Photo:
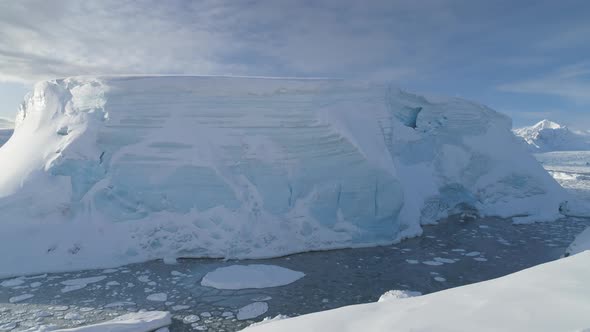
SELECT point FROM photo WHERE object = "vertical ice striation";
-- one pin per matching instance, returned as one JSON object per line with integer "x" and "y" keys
{"x": 106, "y": 171}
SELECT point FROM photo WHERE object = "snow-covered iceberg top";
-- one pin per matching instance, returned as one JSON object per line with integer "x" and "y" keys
{"x": 548, "y": 136}
{"x": 549, "y": 297}
{"x": 107, "y": 171}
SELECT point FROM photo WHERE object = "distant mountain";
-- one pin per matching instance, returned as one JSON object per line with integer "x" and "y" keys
{"x": 6, "y": 129}
{"x": 548, "y": 136}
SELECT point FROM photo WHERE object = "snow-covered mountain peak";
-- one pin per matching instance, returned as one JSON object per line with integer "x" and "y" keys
{"x": 547, "y": 124}
{"x": 550, "y": 136}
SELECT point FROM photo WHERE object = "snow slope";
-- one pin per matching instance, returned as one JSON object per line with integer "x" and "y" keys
{"x": 113, "y": 170}
{"x": 549, "y": 297}
{"x": 6, "y": 129}
{"x": 548, "y": 136}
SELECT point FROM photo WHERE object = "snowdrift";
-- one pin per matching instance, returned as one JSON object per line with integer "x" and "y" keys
{"x": 112, "y": 170}
{"x": 549, "y": 297}
{"x": 547, "y": 136}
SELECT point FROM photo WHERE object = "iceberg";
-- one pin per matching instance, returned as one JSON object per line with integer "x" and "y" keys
{"x": 106, "y": 171}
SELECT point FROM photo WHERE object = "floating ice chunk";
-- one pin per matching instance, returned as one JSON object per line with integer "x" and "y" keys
{"x": 180, "y": 307}
{"x": 250, "y": 276}
{"x": 76, "y": 284}
{"x": 412, "y": 261}
{"x": 480, "y": 259}
{"x": 12, "y": 282}
{"x": 252, "y": 310}
{"x": 444, "y": 260}
{"x": 72, "y": 316}
{"x": 146, "y": 321}
{"x": 440, "y": 279}
{"x": 190, "y": 319}
{"x": 120, "y": 304}
{"x": 20, "y": 298}
{"x": 473, "y": 254}
{"x": 158, "y": 297}
{"x": 397, "y": 294}
{"x": 432, "y": 263}
{"x": 83, "y": 281}
{"x": 72, "y": 288}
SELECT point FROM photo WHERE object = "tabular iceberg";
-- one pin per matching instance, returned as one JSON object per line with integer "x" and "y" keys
{"x": 103, "y": 171}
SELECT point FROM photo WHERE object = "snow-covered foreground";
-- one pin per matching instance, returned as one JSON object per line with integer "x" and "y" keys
{"x": 102, "y": 172}
{"x": 550, "y": 297}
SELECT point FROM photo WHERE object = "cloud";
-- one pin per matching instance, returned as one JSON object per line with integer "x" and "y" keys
{"x": 571, "y": 82}
{"x": 40, "y": 39}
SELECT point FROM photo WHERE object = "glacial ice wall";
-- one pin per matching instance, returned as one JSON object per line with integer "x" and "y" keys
{"x": 112, "y": 170}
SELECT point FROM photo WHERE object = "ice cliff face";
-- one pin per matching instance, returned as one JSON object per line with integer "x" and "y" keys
{"x": 107, "y": 171}
{"x": 548, "y": 136}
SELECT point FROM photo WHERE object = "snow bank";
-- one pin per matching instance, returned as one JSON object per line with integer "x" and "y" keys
{"x": 548, "y": 136}
{"x": 580, "y": 244}
{"x": 134, "y": 322}
{"x": 250, "y": 276}
{"x": 549, "y": 297}
{"x": 108, "y": 171}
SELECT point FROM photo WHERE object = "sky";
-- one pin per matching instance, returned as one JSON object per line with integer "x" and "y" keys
{"x": 528, "y": 59}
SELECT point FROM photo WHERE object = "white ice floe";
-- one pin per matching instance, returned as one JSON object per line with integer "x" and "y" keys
{"x": 13, "y": 282}
{"x": 20, "y": 298}
{"x": 250, "y": 276}
{"x": 252, "y": 310}
{"x": 76, "y": 284}
{"x": 147, "y": 321}
{"x": 158, "y": 297}
{"x": 546, "y": 298}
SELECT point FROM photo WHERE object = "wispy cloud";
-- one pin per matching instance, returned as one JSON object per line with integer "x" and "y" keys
{"x": 40, "y": 39}
{"x": 571, "y": 82}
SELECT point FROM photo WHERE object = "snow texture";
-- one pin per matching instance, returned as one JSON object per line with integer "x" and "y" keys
{"x": 398, "y": 294}
{"x": 107, "y": 171}
{"x": 547, "y": 136}
{"x": 250, "y": 276}
{"x": 134, "y": 322}
{"x": 549, "y": 297}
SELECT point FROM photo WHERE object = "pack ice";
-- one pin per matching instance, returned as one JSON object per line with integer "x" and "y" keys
{"x": 112, "y": 170}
